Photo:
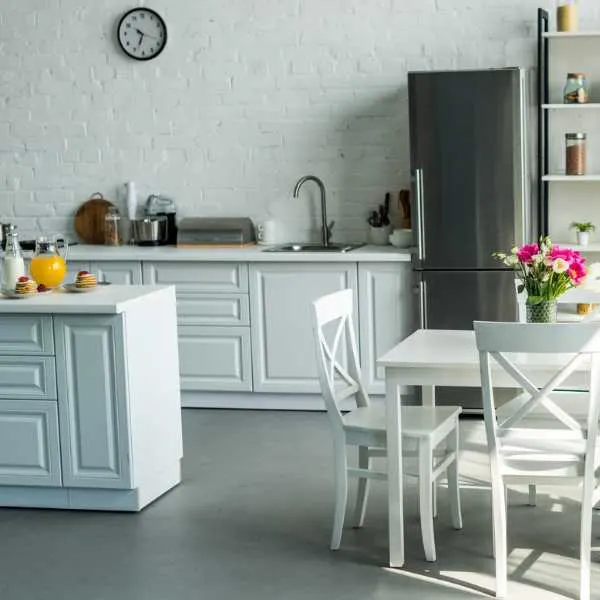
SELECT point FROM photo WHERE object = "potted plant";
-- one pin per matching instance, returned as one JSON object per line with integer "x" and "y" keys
{"x": 380, "y": 226}
{"x": 583, "y": 230}
{"x": 545, "y": 272}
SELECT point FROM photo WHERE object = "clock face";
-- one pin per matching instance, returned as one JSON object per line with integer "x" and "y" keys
{"x": 142, "y": 33}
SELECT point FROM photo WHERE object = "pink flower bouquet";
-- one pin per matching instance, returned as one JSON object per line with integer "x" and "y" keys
{"x": 546, "y": 271}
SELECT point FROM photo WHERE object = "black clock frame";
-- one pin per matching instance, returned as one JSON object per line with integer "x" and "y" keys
{"x": 148, "y": 10}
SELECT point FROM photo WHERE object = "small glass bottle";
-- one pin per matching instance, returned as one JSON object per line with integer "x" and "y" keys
{"x": 13, "y": 265}
{"x": 576, "y": 153}
{"x": 566, "y": 15}
{"x": 111, "y": 227}
{"x": 576, "y": 89}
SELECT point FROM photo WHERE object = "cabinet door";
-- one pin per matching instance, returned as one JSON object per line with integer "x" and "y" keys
{"x": 387, "y": 315}
{"x": 92, "y": 399}
{"x": 120, "y": 272}
{"x": 215, "y": 358}
{"x": 281, "y": 297}
{"x": 29, "y": 447}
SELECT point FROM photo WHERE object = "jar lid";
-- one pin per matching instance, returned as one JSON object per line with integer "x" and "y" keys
{"x": 576, "y": 76}
{"x": 576, "y": 136}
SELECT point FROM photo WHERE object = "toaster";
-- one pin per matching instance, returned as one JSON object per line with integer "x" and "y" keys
{"x": 216, "y": 231}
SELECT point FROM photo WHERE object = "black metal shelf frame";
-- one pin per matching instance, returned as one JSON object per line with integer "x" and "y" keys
{"x": 542, "y": 118}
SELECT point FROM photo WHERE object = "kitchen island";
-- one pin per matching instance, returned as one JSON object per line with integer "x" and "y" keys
{"x": 89, "y": 398}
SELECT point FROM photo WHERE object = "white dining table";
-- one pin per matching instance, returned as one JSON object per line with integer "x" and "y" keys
{"x": 430, "y": 358}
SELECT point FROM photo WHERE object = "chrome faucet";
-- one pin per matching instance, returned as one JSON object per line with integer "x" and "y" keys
{"x": 325, "y": 228}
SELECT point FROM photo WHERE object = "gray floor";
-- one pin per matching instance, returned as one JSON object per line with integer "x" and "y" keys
{"x": 252, "y": 520}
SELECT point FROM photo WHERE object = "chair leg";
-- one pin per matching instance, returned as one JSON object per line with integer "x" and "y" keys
{"x": 532, "y": 495}
{"x": 585, "y": 550}
{"x": 363, "y": 487}
{"x": 499, "y": 531}
{"x": 453, "y": 484}
{"x": 341, "y": 492}
{"x": 425, "y": 497}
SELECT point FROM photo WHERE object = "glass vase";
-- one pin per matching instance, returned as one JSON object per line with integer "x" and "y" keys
{"x": 542, "y": 312}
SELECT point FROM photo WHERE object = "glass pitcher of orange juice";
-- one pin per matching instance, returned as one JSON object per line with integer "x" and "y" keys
{"x": 49, "y": 263}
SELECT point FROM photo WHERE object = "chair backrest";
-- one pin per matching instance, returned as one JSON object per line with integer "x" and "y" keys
{"x": 338, "y": 382}
{"x": 521, "y": 300}
{"x": 579, "y": 345}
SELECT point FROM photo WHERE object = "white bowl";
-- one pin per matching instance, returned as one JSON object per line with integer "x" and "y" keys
{"x": 401, "y": 238}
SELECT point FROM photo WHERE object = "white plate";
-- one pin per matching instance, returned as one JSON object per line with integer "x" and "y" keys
{"x": 71, "y": 287}
{"x": 15, "y": 296}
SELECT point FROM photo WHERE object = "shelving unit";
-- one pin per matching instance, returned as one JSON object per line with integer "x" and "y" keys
{"x": 560, "y": 200}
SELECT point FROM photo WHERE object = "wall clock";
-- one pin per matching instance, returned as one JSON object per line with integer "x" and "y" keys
{"x": 142, "y": 33}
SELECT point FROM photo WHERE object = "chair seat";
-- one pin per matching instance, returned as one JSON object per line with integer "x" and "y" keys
{"x": 543, "y": 458}
{"x": 417, "y": 421}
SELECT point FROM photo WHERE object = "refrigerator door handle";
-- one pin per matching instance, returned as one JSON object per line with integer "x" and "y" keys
{"x": 422, "y": 304}
{"x": 420, "y": 214}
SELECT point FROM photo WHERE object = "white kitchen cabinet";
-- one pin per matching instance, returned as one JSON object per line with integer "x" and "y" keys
{"x": 281, "y": 321}
{"x": 29, "y": 443}
{"x": 91, "y": 364}
{"x": 215, "y": 358}
{"x": 122, "y": 272}
{"x": 387, "y": 315}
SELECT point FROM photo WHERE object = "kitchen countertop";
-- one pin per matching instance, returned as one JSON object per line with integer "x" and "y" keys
{"x": 249, "y": 254}
{"x": 107, "y": 299}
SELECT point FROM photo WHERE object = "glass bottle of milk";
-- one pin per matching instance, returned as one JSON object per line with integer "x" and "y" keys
{"x": 13, "y": 265}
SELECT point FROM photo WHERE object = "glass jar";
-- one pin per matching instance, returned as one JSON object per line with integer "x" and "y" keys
{"x": 576, "y": 89}
{"x": 111, "y": 227}
{"x": 576, "y": 153}
{"x": 566, "y": 15}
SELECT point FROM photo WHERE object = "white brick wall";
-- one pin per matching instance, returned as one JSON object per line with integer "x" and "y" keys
{"x": 248, "y": 96}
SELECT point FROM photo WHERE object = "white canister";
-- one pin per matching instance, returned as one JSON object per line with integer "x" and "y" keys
{"x": 266, "y": 232}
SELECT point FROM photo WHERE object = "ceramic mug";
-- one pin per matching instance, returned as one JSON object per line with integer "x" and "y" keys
{"x": 266, "y": 232}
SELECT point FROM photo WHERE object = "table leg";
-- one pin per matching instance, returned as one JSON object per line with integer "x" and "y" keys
{"x": 428, "y": 395}
{"x": 394, "y": 466}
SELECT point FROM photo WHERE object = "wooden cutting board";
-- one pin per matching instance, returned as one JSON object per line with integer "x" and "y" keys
{"x": 89, "y": 219}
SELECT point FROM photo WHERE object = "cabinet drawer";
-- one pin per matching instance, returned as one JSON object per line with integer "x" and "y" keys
{"x": 198, "y": 277}
{"x": 29, "y": 447}
{"x": 26, "y": 334}
{"x": 215, "y": 358}
{"x": 212, "y": 309}
{"x": 118, "y": 272}
{"x": 31, "y": 377}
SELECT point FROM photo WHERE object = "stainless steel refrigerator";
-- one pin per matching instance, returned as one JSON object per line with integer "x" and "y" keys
{"x": 470, "y": 149}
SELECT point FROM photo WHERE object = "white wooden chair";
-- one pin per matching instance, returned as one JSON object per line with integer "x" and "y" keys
{"x": 435, "y": 429}
{"x": 533, "y": 439}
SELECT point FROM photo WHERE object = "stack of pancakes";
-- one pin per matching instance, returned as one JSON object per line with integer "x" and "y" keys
{"x": 26, "y": 287}
{"x": 85, "y": 280}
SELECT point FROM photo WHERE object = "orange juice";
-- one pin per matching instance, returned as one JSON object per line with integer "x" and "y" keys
{"x": 49, "y": 270}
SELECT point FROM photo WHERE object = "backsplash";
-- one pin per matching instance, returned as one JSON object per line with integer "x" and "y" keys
{"x": 248, "y": 96}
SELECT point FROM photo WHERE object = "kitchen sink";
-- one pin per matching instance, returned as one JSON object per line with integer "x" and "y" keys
{"x": 313, "y": 248}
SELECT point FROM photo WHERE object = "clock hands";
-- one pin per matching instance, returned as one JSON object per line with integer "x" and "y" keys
{"x": 142, "y": 34}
